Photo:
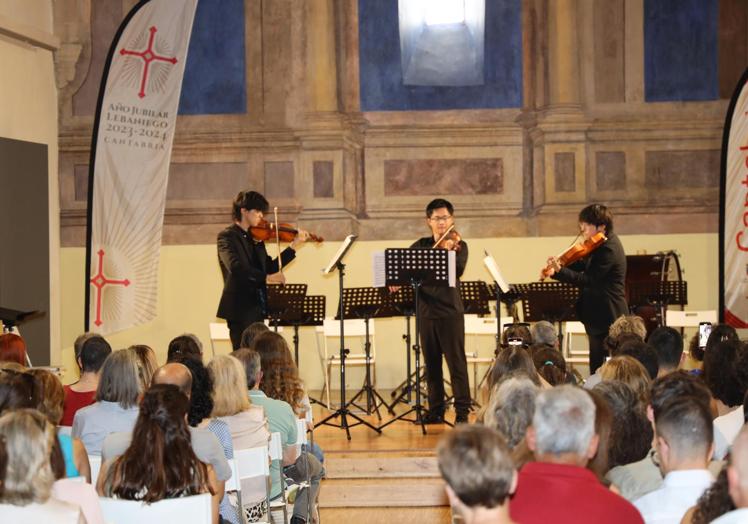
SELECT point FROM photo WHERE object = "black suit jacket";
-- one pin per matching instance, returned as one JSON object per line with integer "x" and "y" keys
{"x": 601, "y": 277}
{"x": 245, "y": 265}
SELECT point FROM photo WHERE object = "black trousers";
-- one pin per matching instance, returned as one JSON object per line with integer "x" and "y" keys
{"x": 236, "y": 328}
{"x": 445, "y": 336}
{"x": 597, "y": 351}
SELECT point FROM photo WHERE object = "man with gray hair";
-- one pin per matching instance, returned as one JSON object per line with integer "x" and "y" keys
{"x": 737, "y": 480}
{"x": 544, "y": 333}
{"x": 558, "y": 487}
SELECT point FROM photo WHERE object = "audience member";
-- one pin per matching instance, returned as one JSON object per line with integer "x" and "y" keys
{"x": 726, "y": 376}
{"x": 251, "y": 332}
{"x": 160, "y": 462}
{"x": 630, "y": 371}
{"x": 737, "y": 479}
{"x": 668, "y": 344}
{"x": 187, "y": 345}
{"x": 683, "y": 442}
{"x": 598, "y": 464}
{"x": 510, "y": 362}
{"x": 644, "y": 476}
{"x": 116, "y": 406}
{"x": 719, "y": 333}
{"x": 509, "y": 411}
{"x": 27, "y": 485}
{"x": 631, "y": 434}
{"x": 298, "y": 466}
{"x": 51, "y": 398}
{"x": 147, "y": 363}
{"x": 17, "y": 390}
{"x": 475, "y": 464}
{"x": 625, "y": 328}
{"x": 551, "y": 366}
{"x": 543, "y": 332}
{"x": 517, "y": 334}
{"x": 232, "y": 405}
{"x": 211, "y": 443}
{"x": 558, "y": 488}
{"x": 94, "y": 350}
{"x": 12, "y": 348}
{"x": 644, "y": 354}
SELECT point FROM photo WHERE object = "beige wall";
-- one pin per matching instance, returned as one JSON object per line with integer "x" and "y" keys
{"x": 190, "y": 285}
{"x": 28, "y": 110}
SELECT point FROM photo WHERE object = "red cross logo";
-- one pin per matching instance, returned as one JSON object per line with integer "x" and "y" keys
{"x": 148, "y": 56}
{"x": 99, "y": 281}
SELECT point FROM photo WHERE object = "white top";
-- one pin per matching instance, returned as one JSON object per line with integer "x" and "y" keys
{"x": 680, "y": 490}
{"x": 726, "y": 428}
{"x": 736, "y": 516}
{"x": 249, "y": 429}
{"x": 51, "y": 512}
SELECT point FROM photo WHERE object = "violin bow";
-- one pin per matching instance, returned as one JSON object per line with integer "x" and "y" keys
{"x": 443, "y": 236}
{"x": 277, "y": 240}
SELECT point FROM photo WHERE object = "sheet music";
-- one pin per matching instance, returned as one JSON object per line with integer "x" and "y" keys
{"x": 377, "y": 265}
{"x": 452, "y": 267}
{"x": 493, "y": 269}
{"x": 339, "y": 255}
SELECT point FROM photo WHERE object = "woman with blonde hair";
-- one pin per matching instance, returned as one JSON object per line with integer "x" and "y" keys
{"x": 116, "y": 407}
{"x": 27, "y": 487}
{"x": 631, "y": 372}
{"x": 231, "y": 404}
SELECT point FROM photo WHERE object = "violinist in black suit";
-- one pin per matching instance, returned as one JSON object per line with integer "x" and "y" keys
{"x": 601, "y": 277}
{"x": 246, "y": 266}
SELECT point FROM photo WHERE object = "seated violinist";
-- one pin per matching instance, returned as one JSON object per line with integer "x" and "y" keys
{"x": 246, "y": 266}
{"x": 600, "y": 273}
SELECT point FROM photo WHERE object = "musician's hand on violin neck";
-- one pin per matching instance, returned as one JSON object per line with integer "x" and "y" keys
{"x": 554, "y": 264}
{"x": 301, "y": 236}
{"x": 276, "y": 278}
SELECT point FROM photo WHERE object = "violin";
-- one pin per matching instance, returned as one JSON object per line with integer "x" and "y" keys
{"x": 576, "y": 252}
{"x": 286, "y": 232}
{"x": 450, "y": 240}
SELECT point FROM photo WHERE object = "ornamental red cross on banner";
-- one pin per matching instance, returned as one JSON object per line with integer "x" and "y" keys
{"x": 148, "y": 55}
{"x": 99, "y": 281}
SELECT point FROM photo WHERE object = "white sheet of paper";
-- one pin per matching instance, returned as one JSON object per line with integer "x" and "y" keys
{"x": 452, "y": 268}
{"x": 343, "y": 247}
{"x": 493, "y": 269}
{"x": 377, "y": 266}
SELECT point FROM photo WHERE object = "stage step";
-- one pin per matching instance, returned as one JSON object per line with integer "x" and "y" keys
{"x": 434, "y": 515}
{"x": 381, "y": 467}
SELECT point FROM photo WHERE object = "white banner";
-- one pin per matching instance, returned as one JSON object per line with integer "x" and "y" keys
{"x": 136, "y": 118}
{"x": 734, "y": 212}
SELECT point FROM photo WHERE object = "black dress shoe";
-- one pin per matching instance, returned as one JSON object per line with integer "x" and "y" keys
{"x": 433, "y": 418}
{"x": 461, "y": 418}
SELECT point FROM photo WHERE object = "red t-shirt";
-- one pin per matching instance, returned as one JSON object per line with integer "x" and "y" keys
{"x": 563, "y": 494}
{"x": 75, "y": 400}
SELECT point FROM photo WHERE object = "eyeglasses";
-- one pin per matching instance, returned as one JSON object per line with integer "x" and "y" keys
{"x": 441, "y": 219}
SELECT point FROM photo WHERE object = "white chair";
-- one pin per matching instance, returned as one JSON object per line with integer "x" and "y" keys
{"x": 219, "y": 332}
{"x": 354, "y": 328}
{"x": 95, "y": 462}
{"x": 233, "y": 483}
{"x": 475, "y": 328}
{"x": 276, "y": 454}
{"x": 253, "y": 472}
{"x": 572, "y": 356}
{"x": 690, "y": 318}
{"x": 185, "y": 510}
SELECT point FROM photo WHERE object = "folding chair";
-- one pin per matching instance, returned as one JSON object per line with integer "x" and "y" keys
{"x": 276, "y": 454}
{"x": 570, "y": 330}
{"x": 354, "y": 327}
{"x": 195, "y": 509}
{"x": 476, "y": 327}
{"x": 95, "y": 462}
{"x": 253, "y": 472}
{"x": 678, "y": 319}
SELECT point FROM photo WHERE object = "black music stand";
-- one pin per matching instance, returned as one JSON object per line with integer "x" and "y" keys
{"x": 367, "y": 303}
{"x": 11, "y": 318}
{"x": 280, "y": 299}
{"x": 551, "y": 301}
{"x": 475, "y": 297}
{"x": 658, "y": 293}
{"x": 418, "y": 267}
{"x": 343, "y": 412}
{"x": 402, "y": 302}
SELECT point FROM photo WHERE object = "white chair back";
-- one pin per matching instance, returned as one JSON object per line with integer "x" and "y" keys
{"x": 219, "y": 332}
{"x": 689, "y": 318}
{"x": 276, "y": 447}
{"x": 301, "y": 432}
{"x": 185, "y": 510}
{"x": 233, "y": 483}
{"x": 95, "y": 462}
{"x": 254, "y": 474}
{"x": 354, "y": 328}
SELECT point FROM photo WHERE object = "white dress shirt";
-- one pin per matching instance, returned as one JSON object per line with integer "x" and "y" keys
{"x": 680, "y": 490}
{"x": 726, "y": 428}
